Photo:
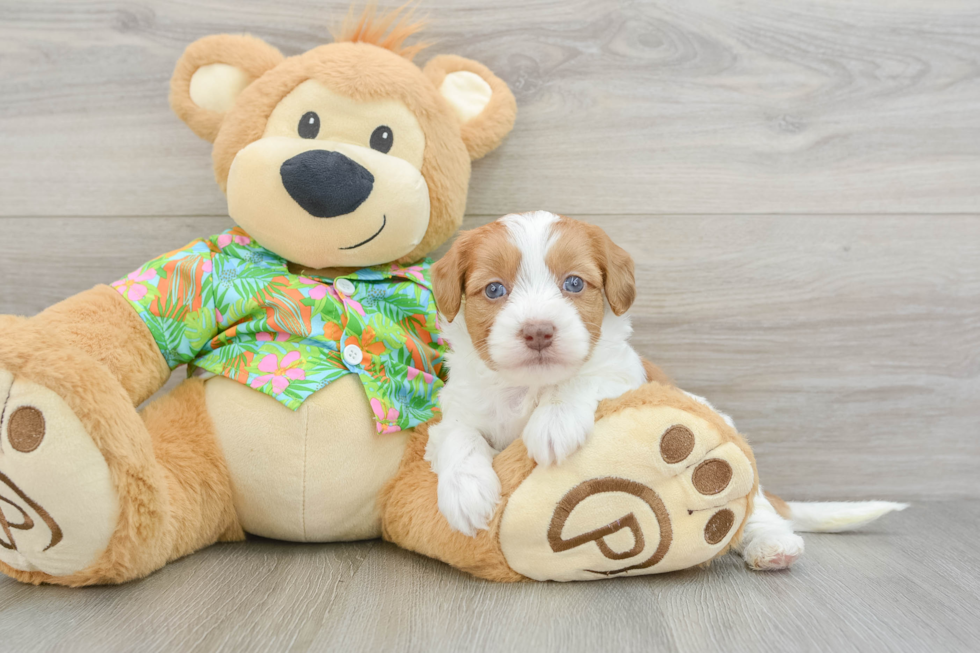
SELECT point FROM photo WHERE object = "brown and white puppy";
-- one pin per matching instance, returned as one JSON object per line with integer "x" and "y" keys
{"x": 533, "y": 308}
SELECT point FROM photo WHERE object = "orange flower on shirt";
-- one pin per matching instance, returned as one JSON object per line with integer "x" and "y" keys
{"x": 368, "y": 345}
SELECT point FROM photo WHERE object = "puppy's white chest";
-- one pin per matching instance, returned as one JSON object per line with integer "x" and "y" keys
{"x": 512, "y": 410}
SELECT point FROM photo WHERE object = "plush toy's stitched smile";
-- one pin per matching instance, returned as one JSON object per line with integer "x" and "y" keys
{"x": 384, "y": 221}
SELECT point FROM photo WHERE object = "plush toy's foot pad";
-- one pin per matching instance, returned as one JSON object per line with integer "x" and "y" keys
{"x": 58, "y": 504}
{"x": 656, "y": 488}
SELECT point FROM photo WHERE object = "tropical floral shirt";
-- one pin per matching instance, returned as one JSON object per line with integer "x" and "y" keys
{"x": 227, "y": 306}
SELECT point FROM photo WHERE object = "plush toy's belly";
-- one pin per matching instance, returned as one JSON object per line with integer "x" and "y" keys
{"x": 312, "y": 475}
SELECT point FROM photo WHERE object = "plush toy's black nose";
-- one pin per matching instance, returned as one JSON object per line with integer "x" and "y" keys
{"x": 326, "y": 184}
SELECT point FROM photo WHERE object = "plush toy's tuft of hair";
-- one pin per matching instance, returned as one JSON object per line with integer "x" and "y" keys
{"x": 388, "y": 30}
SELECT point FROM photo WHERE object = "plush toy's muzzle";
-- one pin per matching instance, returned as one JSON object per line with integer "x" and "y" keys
{"x": 324, "y": 203}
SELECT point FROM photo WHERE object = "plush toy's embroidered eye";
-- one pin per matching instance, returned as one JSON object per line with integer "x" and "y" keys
{"x": 309, "y": 125}
{"x": 495, "y": 290}
{"x": 382, "y": 139}
{"x": 573, "y": 284}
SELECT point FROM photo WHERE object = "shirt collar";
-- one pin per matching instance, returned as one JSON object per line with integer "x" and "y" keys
{"x": 417, "y": 273}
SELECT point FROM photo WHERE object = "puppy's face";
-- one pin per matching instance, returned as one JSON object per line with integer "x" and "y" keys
{"x": 532, "y": 287}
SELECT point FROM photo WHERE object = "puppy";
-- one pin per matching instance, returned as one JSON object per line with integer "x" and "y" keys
{"x": 533, "y": 309}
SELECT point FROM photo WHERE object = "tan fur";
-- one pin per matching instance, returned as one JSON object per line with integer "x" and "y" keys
{"x": 652, "y": 394}
{"x": 615, "y": 263}
{"x": 388, "y": 31}
{"x": 368, "y": 62}
{"x": 9, "y": 321}
{"x": 486, "y": 254}
{"x": 411, "y": 518}
{"x": 409, "y": 505}
{"x": 363, "y": 72}
{"x": 174, "y": 493}
{"x": 574, "y": 253}
{"x": 101, "y": 323}
{"x": 247, "y": 53}
{"x": 484, "y": 133}
{"x": 478, "y": 257}
{"x": 781, "y": 507}
{"x": 655, "y": 374}
{"x": 94, "y": 352}
{"x": 449, "y": 274}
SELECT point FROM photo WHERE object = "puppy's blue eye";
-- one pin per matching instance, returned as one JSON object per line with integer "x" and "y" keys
{"x": 495, "y": 290}
{"x": 573, "y": 284}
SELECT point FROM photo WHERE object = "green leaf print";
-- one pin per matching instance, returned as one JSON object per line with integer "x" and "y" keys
{"x": 199, "y": 328}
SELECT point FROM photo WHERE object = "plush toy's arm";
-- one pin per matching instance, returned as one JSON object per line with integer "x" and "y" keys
{"x": 101, "y": 323}
{"x": 147, "y": 323}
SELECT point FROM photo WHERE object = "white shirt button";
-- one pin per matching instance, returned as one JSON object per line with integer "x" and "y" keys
{"x": 353, "y": 354}
{"x": 345, "y": 286}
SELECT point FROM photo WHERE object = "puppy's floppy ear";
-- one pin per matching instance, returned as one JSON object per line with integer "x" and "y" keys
{"x": 618, "y": 279}
{"x": 484, "y": 105}
{"x": 449, "y": 277}
{"x": 211, "y": 74}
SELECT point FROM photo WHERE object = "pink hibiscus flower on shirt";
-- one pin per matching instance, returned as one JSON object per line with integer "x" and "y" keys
{"x": 412, "y": 373}
{"x": 280, "y": 373}
{"x": 227, "y": 239}
{"x": 412, "y": 272}
{"x": 318, "y": 291}
{"x": 132, "y": 287}
{"x": 265, "y": 336}
{"x": 385, "y": 423}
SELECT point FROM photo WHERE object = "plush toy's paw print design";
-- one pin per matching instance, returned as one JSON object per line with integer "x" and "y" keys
{"x": 58, "y": 506}
{"x": 656, "y": 488}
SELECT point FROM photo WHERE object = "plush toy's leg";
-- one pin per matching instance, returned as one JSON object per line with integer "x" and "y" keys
{"x": 663, "y": 483}
{"x": 768, "y": 542}
{"x": 90, "y": 491}
{"x": 410, "y": 514}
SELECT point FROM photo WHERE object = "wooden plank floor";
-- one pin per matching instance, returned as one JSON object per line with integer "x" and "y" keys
{"x": 910, "y": 583}
{"x": 799, "y": 183}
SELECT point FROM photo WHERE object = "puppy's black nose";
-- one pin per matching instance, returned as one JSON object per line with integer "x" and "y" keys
{"x": 538, "y": 335}
{"x": 326, "y": 184}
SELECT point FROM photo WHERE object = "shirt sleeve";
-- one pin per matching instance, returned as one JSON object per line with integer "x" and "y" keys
{"x": 173, "y": 294}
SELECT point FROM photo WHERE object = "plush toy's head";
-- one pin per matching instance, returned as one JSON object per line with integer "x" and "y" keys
{"x": 348, "y": 154}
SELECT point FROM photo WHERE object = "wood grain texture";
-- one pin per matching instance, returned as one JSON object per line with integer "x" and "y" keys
{"x": 847, "y": 348}
{"x": 760, "y": 106}
{"x": 798, "y": 182}
{"x": 256, "y": 596}
{"x": 868, "y": 591}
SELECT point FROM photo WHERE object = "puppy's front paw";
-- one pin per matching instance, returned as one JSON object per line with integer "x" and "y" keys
{"x": 556, "y": 431}
{"x": 468, "y": 494}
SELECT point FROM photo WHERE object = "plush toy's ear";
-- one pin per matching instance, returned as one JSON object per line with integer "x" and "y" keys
{"x": 484, "y": 105}
{"x": 210, "y": 75}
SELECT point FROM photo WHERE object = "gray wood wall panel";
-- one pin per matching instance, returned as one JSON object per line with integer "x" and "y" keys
{"x": 847, "y": 348}
{"x": 760, "y": 106}
{"x": 799, "y": 183}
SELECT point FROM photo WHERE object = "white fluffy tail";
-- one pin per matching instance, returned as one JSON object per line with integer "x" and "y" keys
{"x": 838, "y": 516}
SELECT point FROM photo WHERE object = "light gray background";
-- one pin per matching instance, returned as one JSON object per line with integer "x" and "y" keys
{"x": 799, "y": 183}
